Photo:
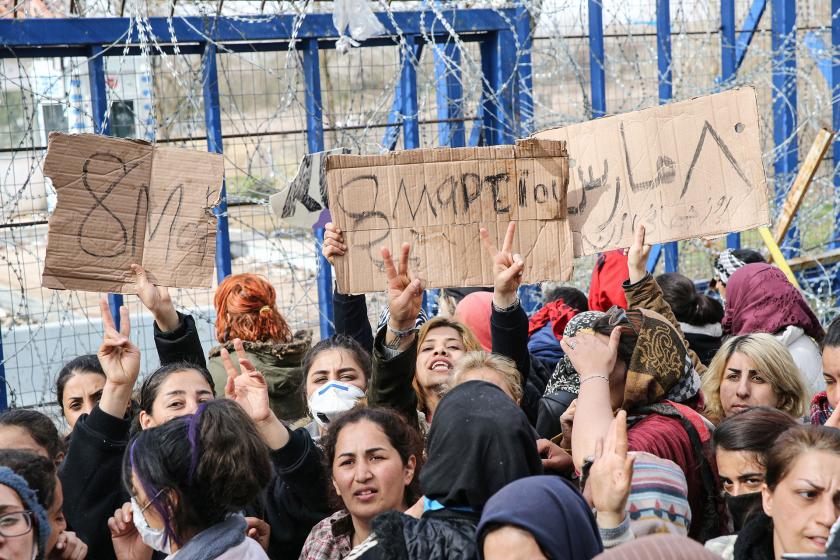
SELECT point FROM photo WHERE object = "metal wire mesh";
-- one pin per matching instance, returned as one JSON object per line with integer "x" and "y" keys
{"x": 156, "y": 94}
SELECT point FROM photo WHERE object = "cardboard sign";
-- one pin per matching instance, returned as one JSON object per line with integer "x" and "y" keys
{"x": 688, "y": 169}
{"x": 124, "y": 201}
{"x": 301, "y": 203}
{"x": 438, "y": 199}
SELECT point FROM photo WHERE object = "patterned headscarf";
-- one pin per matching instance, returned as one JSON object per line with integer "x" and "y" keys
{"x": 565, "y": 378}
{"x": 660, "y": 367}
{"x": 726, "y": 264}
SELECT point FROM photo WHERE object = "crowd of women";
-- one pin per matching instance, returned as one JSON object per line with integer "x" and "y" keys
{"x": 645, "y": 420}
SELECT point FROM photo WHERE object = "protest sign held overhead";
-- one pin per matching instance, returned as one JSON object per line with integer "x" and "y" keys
{"x": 684, "y": 170}
{"x": 124, "y": 201}
{"x": 438, "y": 199}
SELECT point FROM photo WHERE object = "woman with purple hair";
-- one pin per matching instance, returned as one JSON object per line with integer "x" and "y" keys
{"x": 190, "y": 478}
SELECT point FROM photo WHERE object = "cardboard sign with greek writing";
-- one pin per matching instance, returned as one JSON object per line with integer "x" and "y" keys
{"x": 124, "y": 201}
{"x": 438, "y": 199}
{"x": 684, "y": 170}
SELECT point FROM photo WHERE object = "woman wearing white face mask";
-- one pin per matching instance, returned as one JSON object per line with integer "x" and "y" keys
{"x": 337, "y": 372}
{"x": 190, "y": 479}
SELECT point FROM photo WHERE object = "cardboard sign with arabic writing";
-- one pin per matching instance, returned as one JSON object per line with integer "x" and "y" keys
{"x": 687, "y": 169}
{"x": 124, "y": 201}
{"x": 437, "y": 199}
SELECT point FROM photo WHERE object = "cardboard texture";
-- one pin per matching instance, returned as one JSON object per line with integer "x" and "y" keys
{"x": 437, "y": 199}
{"x": 687, "y": 169}
{"x": 301, "y": 203}
{"x": 124, "y": 201}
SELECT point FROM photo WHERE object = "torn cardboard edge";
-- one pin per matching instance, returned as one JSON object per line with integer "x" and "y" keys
{"x": 125, "y": 201}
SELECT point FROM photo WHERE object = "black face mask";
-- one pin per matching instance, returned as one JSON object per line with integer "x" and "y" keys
{"x": 742, "y": 507}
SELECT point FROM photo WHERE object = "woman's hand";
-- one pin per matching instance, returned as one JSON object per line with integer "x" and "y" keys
{"x": 156, "y": 299}
{"x": 566, "y": 423}
{"x": 248, "y": 388}
{"x": 120, "y": 359}
{"x": 591, "y": 356}
{"x": 126, "y": 538}
{"x": 405, "y": 294}
{"x": 250, "y": 391}
{"x": 333, "y": 245}
{"x": 637, "y": 255}
{"x": 611, "y": 474}
{"x": 258, "y": 530}
{"x": 68, "y": 546}
{"x": 553, "y": 457}
{"x": 507, "y": 267}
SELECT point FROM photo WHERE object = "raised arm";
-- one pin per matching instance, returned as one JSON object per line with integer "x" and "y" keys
{"x": 176, "y": 337}
{"x": 594, "y": 360}
{"x": 349, "y": 310}
{"x": 643, "y": 292}
{"x": 508, "y": 322}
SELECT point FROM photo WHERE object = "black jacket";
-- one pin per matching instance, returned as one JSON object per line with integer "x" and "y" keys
{"x": 91, "y": 477}
{"x": 509, "y": 330}
{"x": 180, "y": 345}
{"x": 296, "y": 500}
{"x": 351, "y": 318}
{"x": 438, "y": 535}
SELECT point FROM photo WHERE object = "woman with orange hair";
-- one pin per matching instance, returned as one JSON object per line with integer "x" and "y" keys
{"x": 246, "y": 308}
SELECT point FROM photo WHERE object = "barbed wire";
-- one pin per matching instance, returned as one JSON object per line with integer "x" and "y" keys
{"x": 157, "y": 95}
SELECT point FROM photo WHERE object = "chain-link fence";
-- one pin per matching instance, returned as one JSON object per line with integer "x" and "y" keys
{"x": 154, "y": 92}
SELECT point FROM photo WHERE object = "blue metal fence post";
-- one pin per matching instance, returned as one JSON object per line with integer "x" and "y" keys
{"x": 213, "y": 124}
{"x": 315, "y": 143}
{"x": 101, "y": 125}
{"x": 498, "y": 61}
{"x": 408, "y": 90}
{"x": 597, "y": 84}
{"x": 835, "y": 115}
{"x": 449, "y": 94}
{"x": 666, "y": 92}
{"x": 728, "y": 71}
{"x": 524, "y": 84}
{"x": 785, "y": 104}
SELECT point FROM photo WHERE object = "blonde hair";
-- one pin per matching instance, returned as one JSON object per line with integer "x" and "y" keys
{"x": 496, "y": 362}
{"x": 467, "y": 339}
{"x": 772, "y": 359}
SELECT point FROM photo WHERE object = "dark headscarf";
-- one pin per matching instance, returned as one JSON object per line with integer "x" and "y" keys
{"x": 479, "y": 442}
{"x": 759, "y": 298}
{"x": 551, "y": 510}
{"x": 660, "y": 367}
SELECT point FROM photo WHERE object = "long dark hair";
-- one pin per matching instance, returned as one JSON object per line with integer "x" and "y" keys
{"x": 39, "y": 427}
{"x": 755, "y": 430}
{"x": 197, "y": 469}
{"x": 689, "y": 306}
{"x": 832, "y": 335}
{"x": 404, "y": 438}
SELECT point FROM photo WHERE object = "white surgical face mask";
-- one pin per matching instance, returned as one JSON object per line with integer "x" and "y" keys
{"x": 155, "y": 538}
{"x": 332, "y": 400}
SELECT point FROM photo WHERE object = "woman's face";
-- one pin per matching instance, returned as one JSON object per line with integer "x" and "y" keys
{"x": 509, "y": 542}
{"x": 743, "y": 387}
{"x": 740, "y": 471}
{"x": 16, "y": 437}
{"x": 367, "y": 471}
{"x": 56, "y": 516}
{"x": 805, "y": 504}
{"x": 335, "y": 364}
{"x": 831, "y": 373}
{"x": 180, "y": 394}
{"x": 22, "y": 546}
{"x": 436, "y": 357}
{"x": 81, "y": 393}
